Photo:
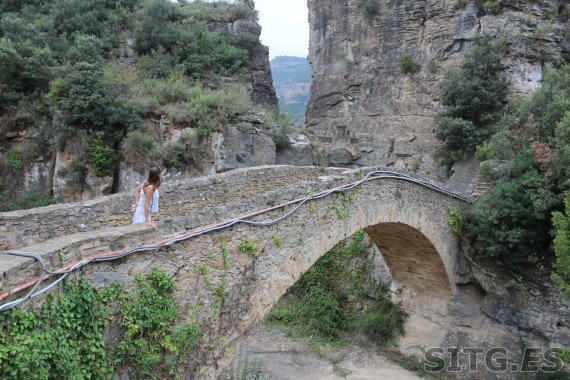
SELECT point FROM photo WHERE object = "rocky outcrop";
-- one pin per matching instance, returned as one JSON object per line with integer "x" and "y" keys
{"x": 261, "y": 90}
{"x": 364, "y": 111}
{"x": 235, "y": 149}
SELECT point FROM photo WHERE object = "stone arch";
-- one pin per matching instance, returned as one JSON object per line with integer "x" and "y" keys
{"x": 411, "y": 258}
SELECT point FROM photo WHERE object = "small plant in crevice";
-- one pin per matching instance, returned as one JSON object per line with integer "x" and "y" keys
{"x": 249, "y": 247}
{"x": 515, "y": 286}
{"x": 408, "y": 66}
{"x": 14, "y": 159}
{"x": 454, "y": 220}
{"x": 312, "y": 204}
{"x": 203, "y": 269}
{"x": 277, "y": 240}
{"x": 225, "y": 254}
{"x": 338, "y": 210}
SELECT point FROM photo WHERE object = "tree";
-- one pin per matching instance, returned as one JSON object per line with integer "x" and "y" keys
{"x": 561, "y": 222}
{"x": 156, "y": 26}
{"x": 512, "y": 222}
{"x": 474, "y": 97}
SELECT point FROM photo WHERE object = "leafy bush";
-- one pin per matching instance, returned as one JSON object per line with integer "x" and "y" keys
{"x": 454, "y": 220}
{"x": 322, "y": 304}
{"x": 157, "y": 64}
{"x": 382, "y": 322}
{"x": 157, "y": 26}
{"x": 185, "y": 151}
{"x": 473, "y": 97}
{"x": 142, "y": 147}
{"x": 221, "y": 11}
{"x": 489, "y": 6}
{"x": 32, "y": 199}
{"x": 512, "y": 221}
{"x": 213, "y": 110}
{"x": 408, "y": 66}
{"x": 102, "y": 158}
{"x": 74, "y": 324}
{"x": 14, "y": 159}
{"x": 280, "y": 123}
{"x": 148, "y": 342}
{"x": 561, "y": 222}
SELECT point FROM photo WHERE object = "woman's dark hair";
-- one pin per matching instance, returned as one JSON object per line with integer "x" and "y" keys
{"x": 154, "y": 177}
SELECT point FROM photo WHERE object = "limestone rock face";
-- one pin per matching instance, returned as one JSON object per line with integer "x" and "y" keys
{"x": 364, "y": 111}
{"x": 298, "y": 153}
{"x": 239, "y": 149}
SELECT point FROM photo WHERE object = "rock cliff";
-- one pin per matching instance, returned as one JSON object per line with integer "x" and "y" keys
{"x": 364, "y": 111}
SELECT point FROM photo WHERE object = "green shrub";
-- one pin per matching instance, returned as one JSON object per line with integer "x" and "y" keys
{"x": 323, "y": 313}
{"x": 187, "y": 150}
{"x": 157, "y": 26}
{"x": 454, "y": 220}
{"x": 32, "y": 199}
{"x": 14, "y": 159}
{"x": 102, "y": 158}
{"x": 408, "y": 66}
{"x": 322, "y": 305}
{"x": 280, "y": 123}
{"x": 561, "y": 222}
{"x": 221, "y": 11}
{"x": 74, "y": 323}
{"x": 158, "y": 64}
{"x": 213, "y": 110}
{"x": 383, "y": 322}
{"x": 147, "y": 342}
{"x": 142, "y": 147}
{"x": 512, "y": 221}
{"x": 473, "y": 98}
{"x": 492, "y": 7}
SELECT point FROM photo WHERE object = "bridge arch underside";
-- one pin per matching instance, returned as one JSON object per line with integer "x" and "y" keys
{"x": 412, "y": 260}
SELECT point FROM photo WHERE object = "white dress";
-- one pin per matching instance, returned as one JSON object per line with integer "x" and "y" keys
{"x": 138, "y": 216}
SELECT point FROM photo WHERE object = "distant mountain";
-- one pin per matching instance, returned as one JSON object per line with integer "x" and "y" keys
{"x": 292, "y": 83}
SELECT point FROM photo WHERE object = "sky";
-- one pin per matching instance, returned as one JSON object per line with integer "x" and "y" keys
{"x": 285, "y": 28}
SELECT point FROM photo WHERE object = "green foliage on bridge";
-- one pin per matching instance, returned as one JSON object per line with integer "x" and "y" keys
{"x": 69, "y": 336}
{"x": 338, "y": 298}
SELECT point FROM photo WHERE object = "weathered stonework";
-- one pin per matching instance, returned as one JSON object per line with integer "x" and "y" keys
{"x": 450, "y": 301}
{"x": 364, "y": 111}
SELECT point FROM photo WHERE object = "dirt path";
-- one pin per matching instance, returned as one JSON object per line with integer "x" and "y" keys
{"x": 285, "y": 359}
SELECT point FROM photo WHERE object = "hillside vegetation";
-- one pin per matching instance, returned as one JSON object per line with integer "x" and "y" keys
{"x": 92, "y": 74}
{"x": 525, "y": 151}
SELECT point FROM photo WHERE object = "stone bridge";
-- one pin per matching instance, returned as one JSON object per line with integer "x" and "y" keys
{"x": 406, "y": 219}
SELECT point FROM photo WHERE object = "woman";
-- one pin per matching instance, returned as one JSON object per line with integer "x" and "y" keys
{"x": 146, "y": 198}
